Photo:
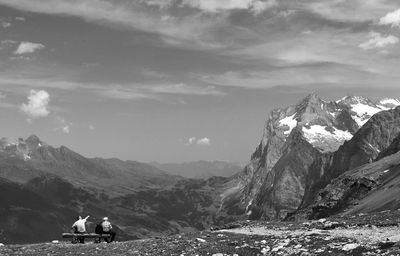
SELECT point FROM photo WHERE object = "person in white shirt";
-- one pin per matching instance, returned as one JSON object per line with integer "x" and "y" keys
{"x": 79, "y": 227}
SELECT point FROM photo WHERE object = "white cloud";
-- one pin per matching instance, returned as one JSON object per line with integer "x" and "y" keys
{"x": 20, "y": 18}
{"x": 37, "y": 105}
{"x": 28, "y": 47}
{"x": 392, "y": 18}
{"x": 203, "y": 141}
{"x": 65, "y": 129}
{"x": 191, "y": 141}
{"x": 255, "y": 6}
{"x": 63, "y": 125}
{"x": 186, "y": 90}
{"x": 160, "y": 3}
{"x": 130, "y": 14}
{"x": 260, "y": 6}
{"x": 378, "y": 41}
{"x": 5, "y": 24}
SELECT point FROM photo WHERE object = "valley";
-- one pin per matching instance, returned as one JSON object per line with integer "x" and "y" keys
{"x": 316, "y": 159}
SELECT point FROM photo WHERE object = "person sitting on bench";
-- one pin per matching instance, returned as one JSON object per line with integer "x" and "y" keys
{"x": 79, "y": 228}
{"x": 107, "y": 229}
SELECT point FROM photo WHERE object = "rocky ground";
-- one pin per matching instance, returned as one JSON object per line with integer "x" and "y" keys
{"x": 363, "y": 234}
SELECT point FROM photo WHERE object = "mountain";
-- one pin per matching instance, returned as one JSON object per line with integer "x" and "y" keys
{"x": 200, "y": 169}
{"x": 298, "y": 145}
{"x": 364, "y": 173}
{"x": 22, "y": 160}
{"x": 315, "y": 159}
{"x": 44, "y": 188}
{"x": 372, "y": 187}
{"x": 44, "y": 208}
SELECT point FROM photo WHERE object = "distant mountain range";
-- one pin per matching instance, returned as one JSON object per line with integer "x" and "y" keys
{"x": 200, "y": 169}
{"x": 315, "y": 159}
{"x": 43, "y": 189}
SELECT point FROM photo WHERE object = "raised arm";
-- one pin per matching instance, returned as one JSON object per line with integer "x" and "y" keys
{"x": 87, "y": 217}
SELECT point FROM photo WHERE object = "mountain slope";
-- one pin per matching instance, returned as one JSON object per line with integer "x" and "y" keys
{"x": 374, "y": 137}
{"x": 23, "y": 160}
{"x": 283, "y": 171}
{"x": 200, "y": 169}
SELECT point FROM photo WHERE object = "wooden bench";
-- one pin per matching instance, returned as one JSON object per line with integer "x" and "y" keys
{"x": 97, "y": 237}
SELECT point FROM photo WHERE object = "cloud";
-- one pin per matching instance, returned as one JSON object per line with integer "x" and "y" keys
{"x": 123, "y": 93}
{"x": 186, "y": 90}
{"x": 62, "y": 124}
{"x": 37, "y": 106}
{"x": 255, "y": 6}
{"x": 392, "y": 18}
{"x": 202, "y": 142}
{"x": 5, "y": 24}
{"x": 378, "y": 41}
{"x": 20, "y": 18}
{"x": 182, "y": 29}
{"x": 28, "y": 47}
{"x": 259, "y": 7}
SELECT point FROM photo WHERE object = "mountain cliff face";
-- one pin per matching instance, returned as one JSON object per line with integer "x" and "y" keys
{"x": 296, "y": 150}
{"x": 367, "y": 188}
{"x": 376, "y": 136}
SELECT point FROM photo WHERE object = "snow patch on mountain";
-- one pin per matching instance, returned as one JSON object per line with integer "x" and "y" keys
{"x": 319, "y": 135}
{"x": 389, "y": 103}
{"x": 289, "y": 121}
{"x": 363, "y": 112}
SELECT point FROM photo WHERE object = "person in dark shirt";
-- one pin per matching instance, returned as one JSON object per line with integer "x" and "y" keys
{"x": 107, "y": 229}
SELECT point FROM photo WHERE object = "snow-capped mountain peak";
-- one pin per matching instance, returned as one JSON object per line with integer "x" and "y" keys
{"x": 389, "y": 103}
{"x": 20, "y": 148}
{"x": 326, "y": 125}
{"x": 362, "y": 108}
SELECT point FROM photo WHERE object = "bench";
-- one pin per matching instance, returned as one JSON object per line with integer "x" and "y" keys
{"x": 97, "y": 237}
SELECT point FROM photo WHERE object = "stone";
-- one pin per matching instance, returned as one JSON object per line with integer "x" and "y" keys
{"x": 265, "y": 250}
{"x": 394, "y": 239}
{"x": 349, "y": 247}
{"x": 200, "y": 240}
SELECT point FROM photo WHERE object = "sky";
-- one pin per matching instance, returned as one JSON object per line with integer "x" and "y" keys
{"x": 184, "y": 80}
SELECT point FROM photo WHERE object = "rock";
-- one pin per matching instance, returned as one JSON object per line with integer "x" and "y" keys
{"x": 200, "y": 240}
{"x": 349, "y": 247}
{"x": 277, "y": 248}
{"x": 265, "y": 250}
{"x": 321, "y": 220}
{"x": 1, "y": 244}
{"x": 55, "y": 241}
{"x": 394, "y": 239}
{"x": 263, "y": 242}
{"x": 218, "y": 254}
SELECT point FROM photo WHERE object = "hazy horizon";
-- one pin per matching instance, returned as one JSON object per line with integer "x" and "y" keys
{"x": 184, "y": 80}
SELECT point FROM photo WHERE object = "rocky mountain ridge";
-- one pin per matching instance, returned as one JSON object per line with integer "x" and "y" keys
{"x": 298, "y": 146}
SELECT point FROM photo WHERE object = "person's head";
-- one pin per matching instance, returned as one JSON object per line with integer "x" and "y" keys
{"x": 105, "y": 219}
{"x": 79, "y": 218}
